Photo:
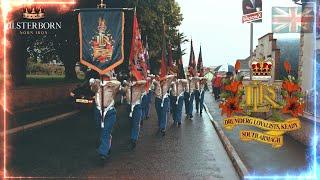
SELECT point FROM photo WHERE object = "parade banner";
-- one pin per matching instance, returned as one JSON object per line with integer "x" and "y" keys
{"x": 274, "y": 130}
{"x": 101, "y": 36}
{"x": 288, "y": 125}
{"x": 275, "y": 141}
{"x": 137, "y": 61}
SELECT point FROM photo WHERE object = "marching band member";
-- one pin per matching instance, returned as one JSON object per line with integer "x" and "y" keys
{"x": 149, "y": 95}
{"x": 187, "y": 98}
{"x": 197, "y": 95}
{"x": 203, "y": 82}
{"x": 105, "y": 114}
{"x": 178, "y": 89}
{"x": 134, "y": 91}
{"x": 144, "y": 103}
{"x": 193, "y": 88}
{"x": 162, "y": 101}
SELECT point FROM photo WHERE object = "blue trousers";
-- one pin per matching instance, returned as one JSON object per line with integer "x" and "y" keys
{"x": 186, "y": 102}
{"x": 162, "y": 112}
{"x": 197, "y": 99}
{"x": 149, "y": 99}
{"x": 135, "y": 122}
{"x": 178, "y": 112}
{"x": 144, "y": 107}
{"x": 201, "y": 101}
{"x": 173, "y": 107}
{"x": 105, "y": 133}
{"x": 191, "y": 103}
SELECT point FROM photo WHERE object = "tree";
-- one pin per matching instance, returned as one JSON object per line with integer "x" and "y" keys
{"x": 151, "y": 15}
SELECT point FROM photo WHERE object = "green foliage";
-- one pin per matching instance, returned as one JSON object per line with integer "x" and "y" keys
{"x": 298, "y": 94}
{"x": 151, "y": 14}
{"x": 241, "y": 92}
{"x": 226, "y": 81}
{"x": 42, "y": 50}
{"x": 44, "y": 80}
{"x": 276, "y": 116}
{"x": 284, "y": 93}
{"x": 44, "y": 69}
{"x": 225, "y": 94}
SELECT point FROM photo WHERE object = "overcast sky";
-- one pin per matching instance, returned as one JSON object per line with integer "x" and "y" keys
{"x": 217, "y": 26}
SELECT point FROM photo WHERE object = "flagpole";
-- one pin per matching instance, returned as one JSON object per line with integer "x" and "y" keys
{"x": 102, "y": 6}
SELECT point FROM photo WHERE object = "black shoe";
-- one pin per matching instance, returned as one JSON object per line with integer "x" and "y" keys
{"x": 190, "y": 116}
{"x": 163, "y": 132}
{"x": 200, "y": 113}
{"x": 179, "y": 124}
{"x": 132, "y": 145}
{"x": 102, "y": 160}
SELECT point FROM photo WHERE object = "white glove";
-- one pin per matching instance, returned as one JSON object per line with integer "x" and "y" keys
{"x": 91, "y": 81}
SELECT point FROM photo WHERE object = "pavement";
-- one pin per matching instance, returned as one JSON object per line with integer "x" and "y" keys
{"x": 67, "y": 149}
{"x": 260, "y": 158}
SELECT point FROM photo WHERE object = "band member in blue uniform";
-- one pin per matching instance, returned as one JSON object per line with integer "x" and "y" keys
{"x": 203, "y": 82}
{"x": 187, "y": 99}
{"x": 143, "y": 106}
{"x": 134, "y": 91}
{"x": 149, "y": 95}
{"x": 162, "y": 101}
{"x": 178, "y": 89}
{"x": 105, "y": 114}
{"x": 193, "y": 88}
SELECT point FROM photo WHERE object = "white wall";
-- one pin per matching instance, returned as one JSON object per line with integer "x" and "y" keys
{"x": 307, "y": 61}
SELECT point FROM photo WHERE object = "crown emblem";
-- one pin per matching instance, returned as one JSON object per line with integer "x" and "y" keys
{"x": 33, "y": 13}
{"x": 261, "y": 68}
{"x": 102, "y": 43}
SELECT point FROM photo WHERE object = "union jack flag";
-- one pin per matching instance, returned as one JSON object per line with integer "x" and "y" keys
{"x": 292, "y": 20}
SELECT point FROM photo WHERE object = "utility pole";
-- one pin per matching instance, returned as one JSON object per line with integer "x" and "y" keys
{"x": 251, "y": 39}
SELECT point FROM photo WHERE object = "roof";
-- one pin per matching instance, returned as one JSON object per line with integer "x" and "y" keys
{"x": 244, "y": 63}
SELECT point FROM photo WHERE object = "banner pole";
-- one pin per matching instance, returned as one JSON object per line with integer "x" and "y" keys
{"x": 102, "y": 102}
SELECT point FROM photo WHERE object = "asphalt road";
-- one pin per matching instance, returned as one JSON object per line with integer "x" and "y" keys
{"x": 67, "y": 149}
{"x": 259, "y": 158}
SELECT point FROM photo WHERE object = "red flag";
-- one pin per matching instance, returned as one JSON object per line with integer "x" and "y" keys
{"x": 181, "y": 74}
{"x": 137, "y": 61}
{"x": 192, "y": 62}
{"x": 200, "y": 64}
{"x": 237, "y": 66}
{"x": 170, "y": 59}
{"x": 163, "y": 68}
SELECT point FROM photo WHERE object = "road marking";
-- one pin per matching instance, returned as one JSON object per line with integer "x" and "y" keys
{"x": 40, "y": 123}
